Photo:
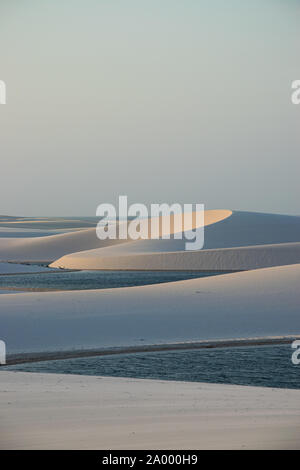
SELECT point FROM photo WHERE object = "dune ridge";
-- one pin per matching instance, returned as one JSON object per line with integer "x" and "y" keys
{"x": 235, "y": 241}
{"x": 48, "y": 248}
{"x": 223, "y": 229}
{"x": 52, "y": 247}
{"x": 226, "y": 259}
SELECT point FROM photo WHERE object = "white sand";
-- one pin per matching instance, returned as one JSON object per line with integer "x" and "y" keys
{"x": 6, "y": 232}
{"x": 232, "y": 241}
{"x": 256, "y": 303}
{"x": 223, "y": 229}
{"x": 49, "y": 411}
{"x": 49, "y": 248}
{"x": 80, "y": 412}
{"x": 222, "y": 259}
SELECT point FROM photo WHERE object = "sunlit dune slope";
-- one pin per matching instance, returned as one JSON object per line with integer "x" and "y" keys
{"x": 232, "y": 241}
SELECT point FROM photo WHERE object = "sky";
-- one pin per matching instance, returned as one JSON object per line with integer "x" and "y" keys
{"x": 162, "y": 101}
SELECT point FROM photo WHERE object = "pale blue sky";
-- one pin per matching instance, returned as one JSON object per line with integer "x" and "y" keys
{"x": 161, "y": 100}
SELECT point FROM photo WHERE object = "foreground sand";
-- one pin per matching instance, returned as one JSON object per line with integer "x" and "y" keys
{"x": 49, "y": 411}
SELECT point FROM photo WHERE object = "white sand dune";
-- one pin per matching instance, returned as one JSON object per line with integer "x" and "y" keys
{"x": 237, "y": 241}
{"x": 13, "y": 232}
{"x": 49, "y": 248}
{"x": 50, "y": 411}
{"x": 112, "y": 413}
{"x": 223, "y": 229}
{"x": 249, "y": 304}
{"x": 222, "y": 259}
{"x": 45, "y": 223}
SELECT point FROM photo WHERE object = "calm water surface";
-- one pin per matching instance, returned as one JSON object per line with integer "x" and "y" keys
{"x": 96, "y": 279}
{"x": 268, "y": 366}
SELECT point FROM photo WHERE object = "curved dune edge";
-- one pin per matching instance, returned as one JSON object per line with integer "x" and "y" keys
{"x": 210, "y": 217}
{"x": 178, "y": 223}
{"x": 242, "y": 240}
{"x": 52, "y": 247}
{"x": 258, "y": 303}
{"x": 227, "y": 259}
{"x": 223, "y": 229}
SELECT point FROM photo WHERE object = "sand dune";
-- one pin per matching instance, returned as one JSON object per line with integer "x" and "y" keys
{"x": 225, "y": 259}
{"x": 28, "y": 233}
{"x": 49, "y": 248}
{"x": 256, "y": 303}
{"x": 115, "y": 413}
{"x": 47, "y": 223}
{"x": 223, "y": 229}
{"x": 237, "y": 241}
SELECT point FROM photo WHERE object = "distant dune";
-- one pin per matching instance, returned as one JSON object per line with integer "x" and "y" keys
{"x": 47, "y": 223}
{"x": 49, "y": 248}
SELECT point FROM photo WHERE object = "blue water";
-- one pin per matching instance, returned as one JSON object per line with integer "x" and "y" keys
{"x": 96, "y": 279}
{"x": 268, "y": 366}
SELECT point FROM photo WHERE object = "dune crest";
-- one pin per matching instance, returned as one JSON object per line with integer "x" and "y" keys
{"x": 52, "y": 247}
{"x": 232, "y": 241}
